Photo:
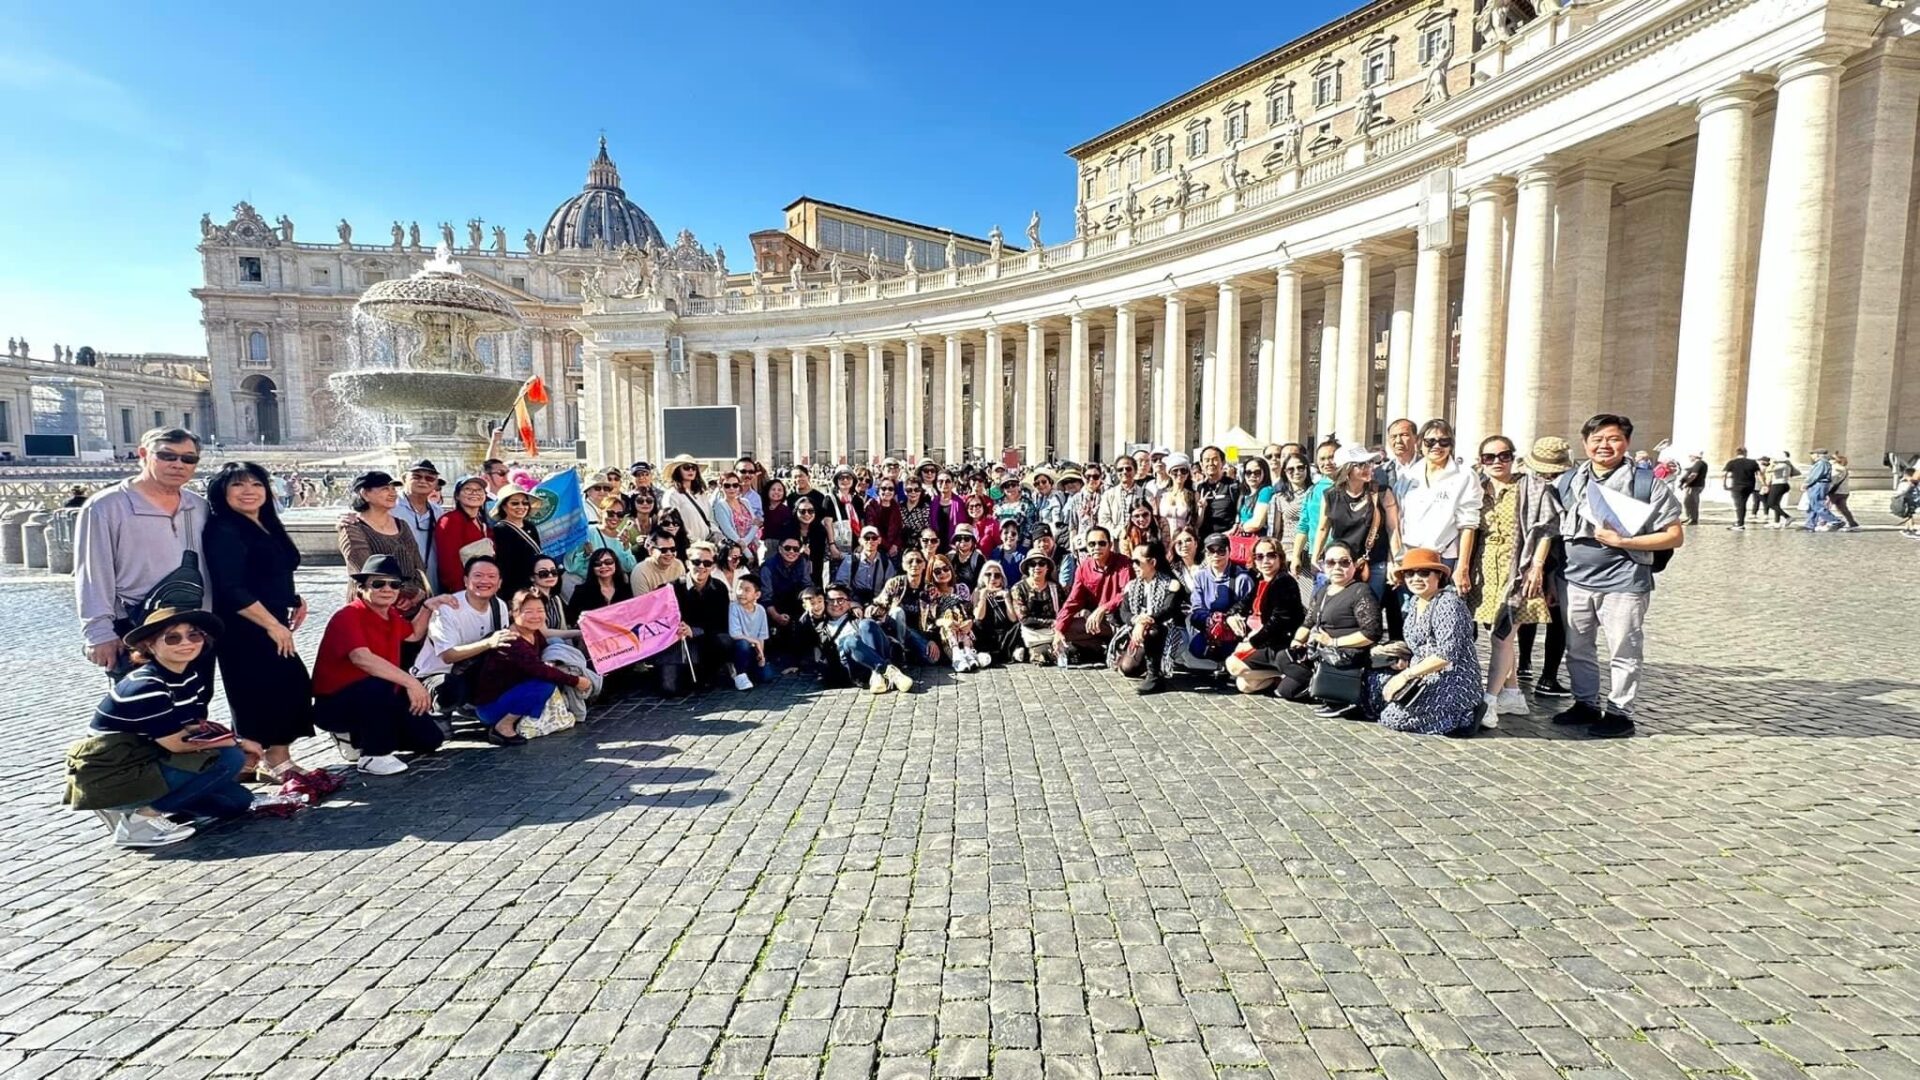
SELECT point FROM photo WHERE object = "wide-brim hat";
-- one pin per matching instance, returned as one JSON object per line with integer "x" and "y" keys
{"x": 1071, "y": 476}
{"x": 1550, "y": 456}
{"x": 380, "y": 566}
{"x": 157, "y": 622}
{"x": 1353, "y": 454}
{"x": 1039, "y": 472}
{"x": 1419, "y": 559}
{"x": 1036, "y": 560}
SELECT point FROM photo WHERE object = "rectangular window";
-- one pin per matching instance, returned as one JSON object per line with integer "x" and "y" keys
{"x": 1133, "y": 166}
{"x": 1432, "y": 43}
{"x": 159, "y": 418}
{"x": 319, "y": 275}
{"x": 1162, "y": 154}
{"x": 6, "y": 421}
{"x": 186, "y": 420}
{"x": 1196, "y": 141}
{"x": 1379, "y": 67}
{"x": 250, "y": 269}
{"x": 1087, "y": 187}
{"x": 829, "y": 234}
{"x": 1236, "y": 125}
{"x": 126, "y": 426}
{"x": 518, "y": 283}
{"x": 1326, "y": 89}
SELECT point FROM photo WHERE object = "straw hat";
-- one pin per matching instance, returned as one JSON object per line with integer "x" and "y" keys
{"x": 157, "y": 623}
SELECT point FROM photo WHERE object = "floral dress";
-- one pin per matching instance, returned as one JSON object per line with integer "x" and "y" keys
{"x": 1441, "y": 627}
{"x": 1499, "y": 533}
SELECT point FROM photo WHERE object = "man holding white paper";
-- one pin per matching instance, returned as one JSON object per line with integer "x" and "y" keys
{"x": 1617, "y": 515}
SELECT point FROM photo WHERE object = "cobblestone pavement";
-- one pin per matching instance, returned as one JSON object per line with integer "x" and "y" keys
{"x": 1033, "y": 873}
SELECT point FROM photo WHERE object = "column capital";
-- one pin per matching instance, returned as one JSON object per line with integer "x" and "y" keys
{"x": 1077, "y": 319}
{"x": 1362, "y": 249}
{"x": 1741, "y": 92}
{"x": 1287, "y": 270}
{"x": 1493, "y": 187}
{"x": 1822, "y": 60}
{"x": 761, "y": 352}
{"x": 1537, "y": 173}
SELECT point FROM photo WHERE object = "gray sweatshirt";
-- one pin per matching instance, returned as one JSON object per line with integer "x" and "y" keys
{"x": 122, "y": 546}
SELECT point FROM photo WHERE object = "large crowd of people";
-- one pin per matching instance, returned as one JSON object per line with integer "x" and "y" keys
{"x": 1357, "y": 580}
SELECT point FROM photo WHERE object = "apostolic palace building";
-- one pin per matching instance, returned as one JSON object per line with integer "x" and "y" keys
{"x": 1700, "y": 213}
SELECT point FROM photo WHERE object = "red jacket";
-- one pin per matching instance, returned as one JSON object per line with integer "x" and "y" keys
{"x": 452, "y": 532}
{"x": 1094, "y": 587}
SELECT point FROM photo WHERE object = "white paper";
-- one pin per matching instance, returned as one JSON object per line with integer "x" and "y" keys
{"x": 1623, "y": 513}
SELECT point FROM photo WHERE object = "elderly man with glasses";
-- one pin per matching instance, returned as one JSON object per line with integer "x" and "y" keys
{"x": 1085, "y": 622}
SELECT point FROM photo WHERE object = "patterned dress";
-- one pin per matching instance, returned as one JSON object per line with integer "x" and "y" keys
{"x": 1440, "y": 627}
{"x": 1499, "y": 533}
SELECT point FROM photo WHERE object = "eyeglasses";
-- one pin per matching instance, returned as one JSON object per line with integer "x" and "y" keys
{"x": 699, "y": 562}
{"x": 382, "y": 583}
{"x": 498, "y": 472}
{"x": 1336, "y": 562}
{"x": 1266, "y": 555}
{"x": 182, "y": 637}
{"x": 790, "y": 549}
{"x": 546, "y": 573}
{"x": 1502, "y": 456}
{"x": 1437, "y": 444}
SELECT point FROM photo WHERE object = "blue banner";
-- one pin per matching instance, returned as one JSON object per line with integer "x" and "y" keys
{"x": 560, "y": 513}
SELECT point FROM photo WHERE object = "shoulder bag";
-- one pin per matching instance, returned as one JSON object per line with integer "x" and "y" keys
{"x": 456, "y": 687}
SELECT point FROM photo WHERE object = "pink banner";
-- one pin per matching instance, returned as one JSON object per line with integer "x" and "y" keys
{"x": 631, "y": 630}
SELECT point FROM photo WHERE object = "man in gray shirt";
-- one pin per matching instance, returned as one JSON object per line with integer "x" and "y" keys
{"x": 420, "y": 507}
{"x": 1609, "y": 576}
{"x": 132, "y": 534}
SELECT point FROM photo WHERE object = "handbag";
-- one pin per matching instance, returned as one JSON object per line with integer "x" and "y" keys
{"x": 1411, "y": 692}
{"x": 1240, "y": 547}
{"x": 1337, "y": 685}
{"x": 482, "y": 546}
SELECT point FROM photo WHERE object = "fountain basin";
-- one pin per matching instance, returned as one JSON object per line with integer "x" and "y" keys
{"x": 403, "y": 395}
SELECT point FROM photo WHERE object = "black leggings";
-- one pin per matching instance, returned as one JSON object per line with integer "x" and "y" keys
{"x": 373, "y": 714}
{"x": 1776, "y": 493}
{"x": 1556, "y": 647}
{"x": 1741, "y": 497}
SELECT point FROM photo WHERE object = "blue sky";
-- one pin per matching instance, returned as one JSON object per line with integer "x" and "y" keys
{"x": 122, "y": 123}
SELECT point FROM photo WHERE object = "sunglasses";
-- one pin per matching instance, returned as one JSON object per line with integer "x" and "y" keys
{"x": 546, "y": 573}
{"x": 1503, "y": 456}
{"x": 1437, "y": 444}
{"x": 1213, "y": 549}
{"x": 731, "y": 487}
{"x": 789, "y": 548}
{"x": 501, "y": 472}
{"x": 963, "y": 539}
{"x": 382, "y": 583}
{"x": 611, "y": 515}
{"x": 1097, "y": 543}
{"x": 941, "y": 570}
{"x": 870, "y": 536}
{"x": 1420, "y": 573}
{"x": 605, "y": 564}
{"x": 1141, "y": 562}
{"x": 664, "y": 549}
{"x": 1337, "y": 562}
{"x": 804, "y": 513}
{"x": 699, "y": 562}
{"x": 1266, "y": 555}
{"x": 182, "y": 637}
{"x": 929, "y": 539}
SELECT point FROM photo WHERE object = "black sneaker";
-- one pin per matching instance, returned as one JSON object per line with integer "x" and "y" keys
{"x": 1551, "y": 688}
{"x": 1613, "y": 725}
{"x": 1579, "y": 713}
{"x": 1151, "y": 684}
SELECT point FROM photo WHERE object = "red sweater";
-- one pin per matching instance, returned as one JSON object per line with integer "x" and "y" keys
{"x": 452, "y": 532}
{"x": 1095, "y": 587}
{"x": 504, "y": 669}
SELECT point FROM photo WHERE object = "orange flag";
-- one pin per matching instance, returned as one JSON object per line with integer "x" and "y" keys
{"x": 535, "y": 391}
{"x": 525, "y": 424}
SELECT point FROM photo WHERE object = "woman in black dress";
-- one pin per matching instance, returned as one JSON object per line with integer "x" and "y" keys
{"x": 516, "y": 543}
{"x": 250, "y": 564}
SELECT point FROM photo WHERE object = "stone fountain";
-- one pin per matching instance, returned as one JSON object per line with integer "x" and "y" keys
{"x": 415, "y": 366}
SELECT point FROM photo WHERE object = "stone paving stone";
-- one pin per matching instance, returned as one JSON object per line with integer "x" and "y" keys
{"x": 1031, "y": 873}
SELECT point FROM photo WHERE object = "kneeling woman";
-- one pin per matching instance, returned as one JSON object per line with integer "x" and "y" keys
{"x": 1342, "y": 626}
{"x": 1438, "y": 693}
{"x": 150, "y": 755}
{"x": 1150, "y": 610}
{"x": 512, "y": 683}
{"x": 1273, "y": 618}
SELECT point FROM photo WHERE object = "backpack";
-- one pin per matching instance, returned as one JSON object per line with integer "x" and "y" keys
{"x": 1642, "y": 490}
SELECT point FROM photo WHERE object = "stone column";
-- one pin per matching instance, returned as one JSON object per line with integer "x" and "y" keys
{"x": 1209, "y": 373}
{"x": 802, "y": 406}
{"x": 595, "y": 405}
{"x": 1230, "y": 365}
{"x": 1282, "y": 407}
{"x": 1174, "y": 389}
{"x": 1123, "y": 367}
{"x": 876, "y": 403}
{"x": 1428, "y": 352}
{"x": 1079, "y": 395}
{"x": 988, "y": 373}
{"x": 1790, "y": 290}
{"x": 1482, "y": 315}
{"x": 723, "y": 377}
{"x": 913, "y": 401}
{"x": 953, "y": 435}
{"x": 838, "y": 447}
{"x": 1036, "y": 425}
{"x": 1264, "y": 371}
{"x": 1353, "y": 394}
{"x": 763, "y": 405}
{"x": 1581, "y": 254}
{"x": 1708, "y": 377}
{"x": 859, "y": 439}
{"x": 1326, "y": 407}
{"x": 1400, "y": 341}
{"x": 1534, "y": 380}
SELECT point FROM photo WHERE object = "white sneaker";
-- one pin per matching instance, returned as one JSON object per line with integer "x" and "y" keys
{"x": 962, "y": 660}
{"x": 984, "y": 660}
{"x": 141, "y": 831}
{"x": 741, "y": 682}
{"x": 348, "y": 752}
{"x": 382, "y": 765}
{"x": 898, "y": 679}
{"x": 1492, "y": 717}
{"x": 1513, "y": 703}
{"x": 877, "y": 683}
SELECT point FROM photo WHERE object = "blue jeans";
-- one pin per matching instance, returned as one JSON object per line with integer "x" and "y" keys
{"x": 211, "y": 792}
{"x": 865, "y": 648}
{"x": 1817, "y": 511}
{"x": 912, "y": 642}
{"x": 747, "y": 662}
{"x": 527, "y": 699}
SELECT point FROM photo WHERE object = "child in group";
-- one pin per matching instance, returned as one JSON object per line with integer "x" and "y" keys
{"x": 747, "y": 625}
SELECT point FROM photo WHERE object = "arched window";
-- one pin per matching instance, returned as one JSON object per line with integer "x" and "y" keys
{"x": 257, "y": 347}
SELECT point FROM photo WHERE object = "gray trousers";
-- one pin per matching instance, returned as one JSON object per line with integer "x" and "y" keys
{"x": 1622, "y": 616}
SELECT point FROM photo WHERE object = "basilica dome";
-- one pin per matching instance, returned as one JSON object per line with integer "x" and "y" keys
{"x": 601, "y": 215}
